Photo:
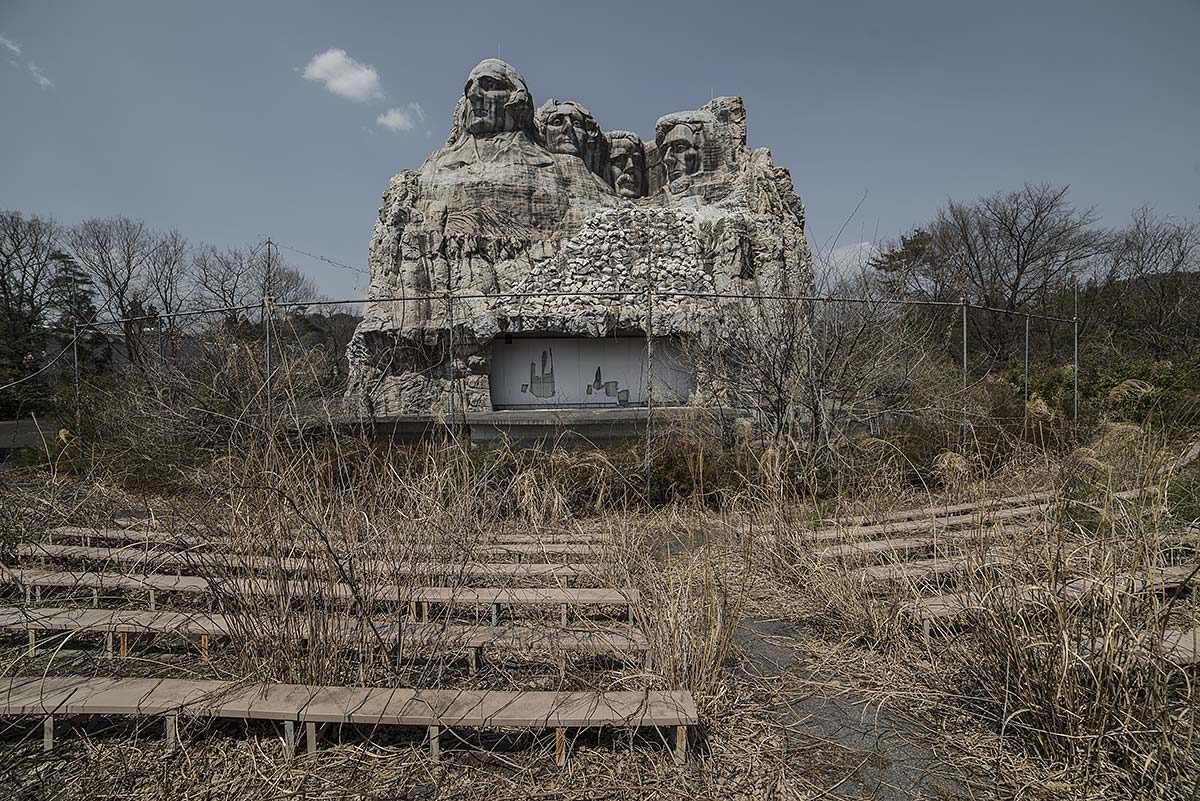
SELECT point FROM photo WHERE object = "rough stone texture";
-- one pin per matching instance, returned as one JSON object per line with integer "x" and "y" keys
{"x": 496, "y": 217}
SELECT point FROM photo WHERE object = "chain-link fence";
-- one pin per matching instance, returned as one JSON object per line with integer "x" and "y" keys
{"x": 758, "y": 326}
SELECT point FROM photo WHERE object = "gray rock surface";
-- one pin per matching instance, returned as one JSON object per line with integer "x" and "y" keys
{"x": 519, "y": 203}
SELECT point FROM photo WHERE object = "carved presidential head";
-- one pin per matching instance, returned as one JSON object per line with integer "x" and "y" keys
{"x": 626, "y": 164}
{"x": 682, "y": 140}
{"x": 567, "y": 127}
{"x": 496, "y": 99}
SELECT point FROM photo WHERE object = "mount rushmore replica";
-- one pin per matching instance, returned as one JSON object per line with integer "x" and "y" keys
{"x": 526, "y": 262}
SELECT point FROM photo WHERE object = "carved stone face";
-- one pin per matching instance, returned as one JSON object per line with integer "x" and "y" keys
{"x": 568, "y": 128}
{"x": 681, "y": 151}
{"x": 627, "y": 166}
{"x": 497, "y": 99}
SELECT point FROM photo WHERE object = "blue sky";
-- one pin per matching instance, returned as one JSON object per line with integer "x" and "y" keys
{"x": 198, "y": 116}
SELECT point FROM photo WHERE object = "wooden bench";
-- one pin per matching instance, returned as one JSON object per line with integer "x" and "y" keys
{"x": 449, "y": 637}
{"x": 585, "y": 543}
{"x": 495, "y": 597}
{"x": 157, "y": 559}
{"x": 290, "y": 704}
{"x": 973, "y": 515}
{"x": 924, "y": 569}
{"x": 1180, "y": 647}
{"x": 933, "y": 512}
{"x": 908, "y": 545}
{"x": 974, "y": 521}
{"x": 1158, "y": 579}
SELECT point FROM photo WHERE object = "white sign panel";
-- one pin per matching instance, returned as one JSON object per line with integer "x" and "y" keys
{"x": 583, "y": 372}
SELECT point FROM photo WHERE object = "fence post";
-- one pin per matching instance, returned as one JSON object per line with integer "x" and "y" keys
{"x": 1025, "y": 412}
{"x": 648, "y": 463}
{"x": 1075, "y": 366}
{"x": 266, "y": 305}
{"x": 454, "y": 427}
{"x": 964, "y": 370}
{"x": 75, "y": 354}
{"x": 823, "y": 349}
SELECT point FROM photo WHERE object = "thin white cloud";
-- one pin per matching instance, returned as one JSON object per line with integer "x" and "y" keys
{"x": 344, "y": 76}
{"x": 405, "y": 118}
{"x": 40, "y": 76}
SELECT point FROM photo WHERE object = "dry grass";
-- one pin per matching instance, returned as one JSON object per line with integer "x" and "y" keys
{"x": 1008, "y": 704}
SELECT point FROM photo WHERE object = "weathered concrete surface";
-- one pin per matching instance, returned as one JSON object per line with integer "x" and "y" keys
{"x": 518, "y": 204}
{"x": 842, "y": 742}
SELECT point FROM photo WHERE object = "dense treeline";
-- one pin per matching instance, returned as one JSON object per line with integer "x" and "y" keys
{"x": 1135, "y": 290}
{"x": 55, "y": 280}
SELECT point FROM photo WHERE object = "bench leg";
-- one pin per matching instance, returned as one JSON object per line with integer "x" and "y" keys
{"x": 412, "y": 611}
{"x": 204, "y": 647}
{"x": 560, "y": 746}
{"x": 289, "y": 736}
{"x": 563, "y": 615}
{"x": 630, "y": 608}
{"x": 48, "y": 733}
{"x": 310, "y": 736}
{"x": 681, "y": 738}
{"x": 28, "y": 595}
{"x": 425, "y": 611}
{"x": 32, "y": 642}
{"x": 95, "y": 598}
{"x": 435, "y": 745}
{"x": 473, "y": 657}
{"x": 172, "y": 733}
{"x": 124, "y": 636}
{"x": 108, "y": 645}
{"x": 562, "y": 665}
{"x": 37, "y": 594}
{"x": 495, "y": 614}
{"x": 153, "y": 605}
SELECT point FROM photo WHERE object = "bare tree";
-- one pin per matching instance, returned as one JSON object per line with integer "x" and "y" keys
{"x": 276, "y": 279}
{"x": 1150, "y": 292}
{"x": 115, "y": 252}
{"x": 28, "y": 261}
{"x": 1017, "y": 251}
{"x": 1012, "y": 252}
{"x": 224, "y": 279}
{"x": 168, "y": 274}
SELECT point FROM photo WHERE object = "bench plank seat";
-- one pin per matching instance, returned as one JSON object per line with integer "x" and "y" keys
{"x": 157, "y": 559}
{"x": 291, "y": 703}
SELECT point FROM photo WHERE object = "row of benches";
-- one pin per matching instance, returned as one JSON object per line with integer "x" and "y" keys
{"x": 134, "y": 530}
{"x": 520, "y": 552}
{"x": 383, "y": 632}
{"x": 948, "y": 608}
{"x": 194, "y": 562}
{"x": 292, "y": 704}
{"x": 32, "y": 579}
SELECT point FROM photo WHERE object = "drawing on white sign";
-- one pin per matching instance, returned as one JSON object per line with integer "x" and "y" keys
{"x": 542, "y": 386}
{"x": 610, "y": 389}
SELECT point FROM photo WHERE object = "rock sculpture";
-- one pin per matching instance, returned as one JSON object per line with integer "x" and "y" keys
{"x": 567, "y": 127}
{"x": 532, "y": 224}
{"x": 626, "y": 164}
